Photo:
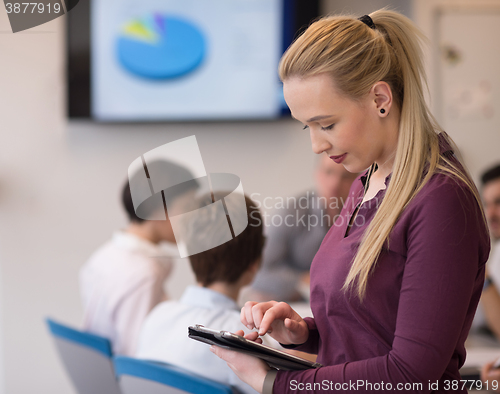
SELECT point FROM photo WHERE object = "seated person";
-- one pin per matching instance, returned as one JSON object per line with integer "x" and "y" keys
{"x": 124, "y": 279}
{"x": 220, "y": 272}
{"x": 490, "y": 299}
{"x": 291, "y": 246}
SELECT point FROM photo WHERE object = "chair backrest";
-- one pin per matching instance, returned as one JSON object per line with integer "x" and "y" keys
{"x": 151, "y": 377}
{"x": 87, "y": 359}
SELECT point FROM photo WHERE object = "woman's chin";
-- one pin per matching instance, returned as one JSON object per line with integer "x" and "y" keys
{"x": 353, "y": 168}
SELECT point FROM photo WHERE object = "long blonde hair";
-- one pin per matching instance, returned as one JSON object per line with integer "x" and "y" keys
{"x": 357, "y": 56}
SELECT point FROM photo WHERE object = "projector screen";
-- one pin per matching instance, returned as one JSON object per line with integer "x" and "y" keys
{"x": 185, "y": 60}
{"x": 162, "y": 61}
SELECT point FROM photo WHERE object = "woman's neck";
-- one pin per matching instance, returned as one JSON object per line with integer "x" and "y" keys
{"x": 383, "y": 170}
{"x": 386, "y": 160}
{"x": 376, "y": 182}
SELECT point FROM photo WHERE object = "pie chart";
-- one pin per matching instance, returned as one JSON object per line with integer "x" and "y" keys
{"x": 160, "y": 47}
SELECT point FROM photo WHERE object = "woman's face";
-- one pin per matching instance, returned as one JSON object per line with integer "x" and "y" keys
{"x": 353, "y": 133}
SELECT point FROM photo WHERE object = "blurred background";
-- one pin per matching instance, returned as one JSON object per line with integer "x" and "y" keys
{"x": 78, "y": 105}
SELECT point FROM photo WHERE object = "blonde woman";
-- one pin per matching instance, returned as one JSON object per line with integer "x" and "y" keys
{"x": 393, "y": 290}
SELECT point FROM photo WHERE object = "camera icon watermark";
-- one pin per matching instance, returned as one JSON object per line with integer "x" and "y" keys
{"x": 170, "y": 183}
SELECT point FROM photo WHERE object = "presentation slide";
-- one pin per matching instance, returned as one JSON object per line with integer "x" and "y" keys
{"x": 185, "y": 59}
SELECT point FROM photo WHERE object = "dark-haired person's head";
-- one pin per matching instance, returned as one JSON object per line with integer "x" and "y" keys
{"x": 164, "y": 172}
{"x": 490, "y": 182}
{"x": 234, "y": 262}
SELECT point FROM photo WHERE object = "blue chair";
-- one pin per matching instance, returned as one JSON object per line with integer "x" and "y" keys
{"x": 87, "y": 359}
{"x": 141, "y": 376}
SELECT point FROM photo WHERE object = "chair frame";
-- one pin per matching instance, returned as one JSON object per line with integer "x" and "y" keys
{"x": 170, "y": 376}
{"x": 87, "y": 359}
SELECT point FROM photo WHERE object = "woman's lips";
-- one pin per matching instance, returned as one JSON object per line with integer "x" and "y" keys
{"x": 338, "y": 159}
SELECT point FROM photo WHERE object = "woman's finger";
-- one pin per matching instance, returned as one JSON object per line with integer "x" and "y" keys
{"x": 243, "y": 318}
{"x": 279, "y": 311}
{"x": 291, "y": 324}
{"x": 259, "y": 310}
{"x": 252, "y": 336}
{"x": 246, "y": 314}
{"x": 225, "y": 354}
{"x": 268, "y": 319}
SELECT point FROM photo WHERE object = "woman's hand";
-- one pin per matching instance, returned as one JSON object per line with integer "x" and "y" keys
{"x": 276, "y": 318}
{"x": 490, "y": 374}
{"x": 250, "y": 370}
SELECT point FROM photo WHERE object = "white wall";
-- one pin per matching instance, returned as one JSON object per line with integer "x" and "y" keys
{"x": 362, "y": 7}
{"x": 478, "y": 140}
{"x": 59, "y": 192}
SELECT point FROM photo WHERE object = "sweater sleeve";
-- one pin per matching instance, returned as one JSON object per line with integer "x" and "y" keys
{"x": 441, "y": 285}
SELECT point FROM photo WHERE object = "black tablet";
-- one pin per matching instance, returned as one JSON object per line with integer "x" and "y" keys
{"x": 275, "y": 358}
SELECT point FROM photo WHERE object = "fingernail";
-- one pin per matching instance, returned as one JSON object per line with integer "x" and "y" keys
{"x": 212, "y": 349}
{"x": 249, "y": 326}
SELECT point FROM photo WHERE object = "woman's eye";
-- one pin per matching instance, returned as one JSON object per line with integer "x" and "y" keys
{"x": 328, "y": 127}
{"x": 305, "y": 127}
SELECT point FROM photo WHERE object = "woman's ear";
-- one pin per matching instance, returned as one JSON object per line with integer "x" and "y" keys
{"x": 382, "y": 97}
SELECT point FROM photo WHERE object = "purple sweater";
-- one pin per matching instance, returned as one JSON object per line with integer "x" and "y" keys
{"x": 420, "y": 299}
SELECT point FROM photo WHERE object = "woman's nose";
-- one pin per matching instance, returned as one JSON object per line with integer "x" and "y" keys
{"x": 318, "y": 141}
